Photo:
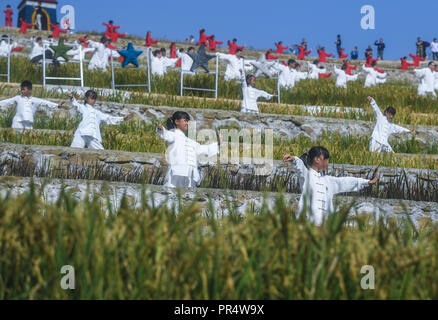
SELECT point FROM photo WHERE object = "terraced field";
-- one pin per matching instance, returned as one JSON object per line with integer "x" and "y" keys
{"x": 236, "y": 237}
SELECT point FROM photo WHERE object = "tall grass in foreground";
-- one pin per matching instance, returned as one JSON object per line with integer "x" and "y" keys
{"x": 157, "y": 253}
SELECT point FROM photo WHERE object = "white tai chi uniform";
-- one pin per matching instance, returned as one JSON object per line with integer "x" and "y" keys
{"x": 99, "y": 60}
{"x": 234, "y": 64}
{"x": 250, "y": 96}
{"x": 318, "y": 191}
{"x": 373, "y": 77}
{"x": 427, "y": 82}
{"x": 6, "y": 48}
{"x": 314, "y": 71}
{"x": 88, "y": 132}
{"x": 382, "y": 131}
{"x": 26, "y": 108}
{"x": 182, "y": 157}
{"x": 186, "y": 62}
{"x": 343, "y": 78}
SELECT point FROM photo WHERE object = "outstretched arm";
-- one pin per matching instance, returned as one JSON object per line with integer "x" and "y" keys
{"x": 375, "y": 107}
{"x": 164, "y": 134}
{"x": 8, "y": 102}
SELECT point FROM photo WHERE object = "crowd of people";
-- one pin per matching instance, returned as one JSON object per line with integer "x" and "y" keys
{"x": 185, "y": 152}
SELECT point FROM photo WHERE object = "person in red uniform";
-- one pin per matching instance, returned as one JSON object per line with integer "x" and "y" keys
{"x": 349, "y": 67}
{"x": 303, "y": 52}
{"x": 269, "y": 56}
{"x": 280, "y": 48}
{"x": 203, "y": 38}
{"x": 212, "y": 43}
{"x": 405, "y": 64}
{"x": 323, "y": 55}
{"x": 110, "y": 28}
{"x": 56, "y": 30}
{"x": 370, "y": 60}
{"x": 8, "y": 16}
{"x": 341, "y": 54}
{"x": 149, "y": 41}
{"x": 233, "y": 46}
{"x": 24, "y": 26}
{"x": 173, "y": 54}
{"x": 417, "y": 59}
{"x": 115, "y": 36}
{"x": 110, "y": 46}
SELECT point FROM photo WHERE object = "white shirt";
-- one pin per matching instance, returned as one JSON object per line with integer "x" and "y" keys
{"x": 5, "y": 48}
{"x": 372, "y": 75}
{"x": 384, "y": 129}
{"x": 76, "y": 53}
{"x": 250, "y": 96}
{"x": 36, "y": 50}
{"x": 186, "y": 60}
{"x": 434, "y": 46}
{"x": 168, "y": 62}
{"x": 234, "y": 64}
{"x": 314, "y": 71}
{"x": 318, "y": 190}
{"x": 343, "y": 78}
{"x": 427, "y": 80}
{"x": 91, "y": 120}
{"x": 182, "y": 153}
{"x": 99, "y": 60}
{"x": 26, "y": 107}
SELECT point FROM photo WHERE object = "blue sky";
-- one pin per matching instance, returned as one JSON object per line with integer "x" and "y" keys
{"x": 261, "y": 23}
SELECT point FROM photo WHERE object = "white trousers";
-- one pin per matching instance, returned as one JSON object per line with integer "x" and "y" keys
{"x": 245, "y": 110}
{"x": 22, "y": 124}
{"x": 86, "y": 142}
{"x": 378, "y": 147}
{"x": 173, "y": 181}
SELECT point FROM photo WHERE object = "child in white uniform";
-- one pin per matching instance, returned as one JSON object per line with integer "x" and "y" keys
{"x": 343, "y": 77}
{"x": 251, "y": 94}
{"x": 88, "y": 133}
{"x": 183, "y": 152}
{"x": 318, "y": 190}
{"x": 384, "y": 128}
{"x": 26, "y": 106}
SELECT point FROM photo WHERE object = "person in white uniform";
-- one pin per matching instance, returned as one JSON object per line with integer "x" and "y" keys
{"x": 343, "y": 77}
{"x": 100, "y": 58}
{"x": 373, "y": 77}
{"x": 26, "y": 106}
{"x": 186, "y": 60}
{"x": 6, "y": 47}
{"x": 251, "y": 94}
{"x": 88, "y": 133}
{"x": 316, "y": 200}
{"x": 384, "y": 128}
{"x": 182, "y": 153}
{"x": 427, "y": 80}
{"x": 234, "y": 62}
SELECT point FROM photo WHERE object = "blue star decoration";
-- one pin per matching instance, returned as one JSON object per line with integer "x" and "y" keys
{"x": 130, "y": 55}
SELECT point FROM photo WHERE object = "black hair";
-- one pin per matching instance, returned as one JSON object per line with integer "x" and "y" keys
{"x": 155, "y": 52}
{"x": 238, "y": 50}
{"x": 234, "y": 40}
{"x": 280, "y": 42}
{"x": 38, "y": 39}
{"x": 344, "y": 67}
{"x": 309, "y": 157}
{"x": 249, "y": 77}
{"x": 374, "y": 63}
{"x": 50, "y": 37}
{"x": 202, "y": 30}
{"x": 316, "y": 61}
{"x": 91, "y": 94}
{"x": 190, "y": 48}
{"x": 26, "y": 84}
{"x": 404, "y": 58}
{"x": 8, "y": 6}
{"x": 111, "y": 22}
{"x": 290, "y": 61}
{"x": 431, "y": 62}
{"x": 170, "y": 123}
{"x": 391, "y": 110}
{"x": 163, "y": 50}
{"x": 104, "y": 39}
